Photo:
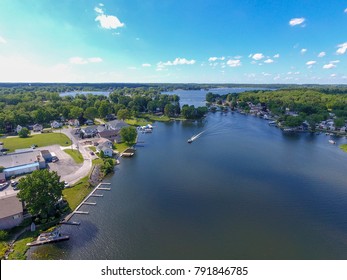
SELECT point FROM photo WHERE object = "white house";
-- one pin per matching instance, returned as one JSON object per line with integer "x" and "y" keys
{"x": 74, "y": 122}
{"x": 37, "y": 127}
{"x": 108, "y": 152}
{"x": 18, "y": 128}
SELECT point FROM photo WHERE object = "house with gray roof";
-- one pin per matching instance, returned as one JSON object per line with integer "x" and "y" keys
{"x": 11, "y": 211}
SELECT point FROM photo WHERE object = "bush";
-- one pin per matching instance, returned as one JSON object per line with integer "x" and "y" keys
{"x": 3, "y": 235}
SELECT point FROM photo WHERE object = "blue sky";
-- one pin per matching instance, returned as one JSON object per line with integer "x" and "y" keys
{"x": 203, "y": 41}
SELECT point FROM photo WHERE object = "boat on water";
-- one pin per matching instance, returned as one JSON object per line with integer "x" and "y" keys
{"x": 49, "y": 237}
{"x": 332, "y": 141}
{"x": 191, "y": 139}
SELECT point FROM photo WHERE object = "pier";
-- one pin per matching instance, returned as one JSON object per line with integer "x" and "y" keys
{"x": 66, "y": 221}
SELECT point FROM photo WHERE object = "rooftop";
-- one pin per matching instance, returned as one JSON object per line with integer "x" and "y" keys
{"x": 10, "y": 205}
{"x": 15, "y": 159}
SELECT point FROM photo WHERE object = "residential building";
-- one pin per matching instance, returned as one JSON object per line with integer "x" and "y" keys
{"x": 11, "y": 211}
{"x": 37, "y": 127}
{"x": 18, "y": 128}
{"x": 56, "y": 124}
{"x": 2, "y": 178}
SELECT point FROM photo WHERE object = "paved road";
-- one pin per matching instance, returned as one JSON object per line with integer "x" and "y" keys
{"x": 82, "y": 171}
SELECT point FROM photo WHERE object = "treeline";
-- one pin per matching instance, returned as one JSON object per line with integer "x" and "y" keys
{"x": 26, "y": 105}
{"x": 309, "y": 104}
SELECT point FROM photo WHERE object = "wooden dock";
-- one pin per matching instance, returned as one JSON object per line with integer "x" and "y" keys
{"x": 82, "y": 212}
{"x": 89, "y": 203}
{"x": 70, "y": 223}
{"x": 85, "y": 202}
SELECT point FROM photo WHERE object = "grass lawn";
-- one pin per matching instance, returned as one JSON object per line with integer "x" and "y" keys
{"x": 3, "y": 247}
{"x": 157, "y": 118}
{"x": 77, "y": 193}
{"x": 76, "y": 155}
{"x": 121, "y": 147}
{"x": 137, "y": 121}
{"x": 20, "y": 247}
{"x": 343, "y": 147}
{"x": 92, "y": 148}
{"x": 40, "y": 140}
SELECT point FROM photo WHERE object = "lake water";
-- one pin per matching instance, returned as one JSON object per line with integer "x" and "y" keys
{"x": 243, "y": 190}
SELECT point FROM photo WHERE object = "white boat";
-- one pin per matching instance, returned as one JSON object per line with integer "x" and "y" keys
{"x": 332, "y": 141}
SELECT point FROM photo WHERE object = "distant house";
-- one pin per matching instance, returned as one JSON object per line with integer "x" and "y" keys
{"x": 74, "y": 122}
{"x": 11, "y": 211}
{"x": 116, "y": 125}
{"x": 18, "y": 128}
{"x": 56, "y": 124}
{"x": 37, "y": 127}
{"x": 108, "y": 152}
{"x": 2, "y": 178}
{"x": 110, "y": 117}
{"x": 343, "y": 129}
{"x": 103, "y": 142}
{"x": 90, "y": 131}
{"x": 109, "y": 134}
{"x": 89, "y": 122}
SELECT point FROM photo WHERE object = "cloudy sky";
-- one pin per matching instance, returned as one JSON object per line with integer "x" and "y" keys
{"x": 210, "y": 41}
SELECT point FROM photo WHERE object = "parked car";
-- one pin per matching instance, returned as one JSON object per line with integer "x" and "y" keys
{"x": 33, "y": 146}
{"x": 66, "y": 185}
{"x": 55, "y": 159}
{"x": 92, "y": 153}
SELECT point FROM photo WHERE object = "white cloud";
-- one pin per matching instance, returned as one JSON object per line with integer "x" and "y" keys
{"x": 81, "y": 60}
{"x": 329, "y": 66}
{"x": 132, "y": 68}
{"x": 342, "y": 48}
{"x": 321, "y": 54}
{"x": 258, "y": 56}
{"x": 335, "y": 61}
{"x": 345, "y": 10}
{"x": 94, "y": 59}
{"x": 177, "y": 61}
{"x": 296, "y": 21}
{"x": 311, "y": 63}
{"x": 303, "y": 51}
{"x": 214, "y": 58}
{"x": 277, "y": 55}
{"x": 146, "y": 65}
{"x": 234, "y": 62}
{"x": 269, "y": 60}
{"x": 333, "y": 75}
{"x": 2, "y": 40}
{"x": 101, "y": 5}
{"x": 106, "y": 21}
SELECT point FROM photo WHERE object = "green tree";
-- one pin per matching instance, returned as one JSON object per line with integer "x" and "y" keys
{"x": 123, "y": 114}
{"x": 128, "y": 134}
{"x": 40, "y": 190}
{"x": 108, "y": 166}
{"x": 104, "y": 108}
{"x": 75, "y": 112}
{"x": 90, "y": 113}
{"x": 24, "y": 132}
{"x": 339, "y": 122}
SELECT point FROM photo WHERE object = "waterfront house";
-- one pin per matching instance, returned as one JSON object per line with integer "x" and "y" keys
{"x": 109, "y": 134}
{"x": 108, "y": 152}
{"x": 11, "y": 211}
{"x": 37, "y": 127}
{"x": 103, "y": 142}
{"x": 116, "y": 125}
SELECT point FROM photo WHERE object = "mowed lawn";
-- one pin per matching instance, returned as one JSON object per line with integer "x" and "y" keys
{"x": 41, "y": 140}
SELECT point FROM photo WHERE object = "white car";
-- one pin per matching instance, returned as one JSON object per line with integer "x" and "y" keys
{"x": 66, "y": 185}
